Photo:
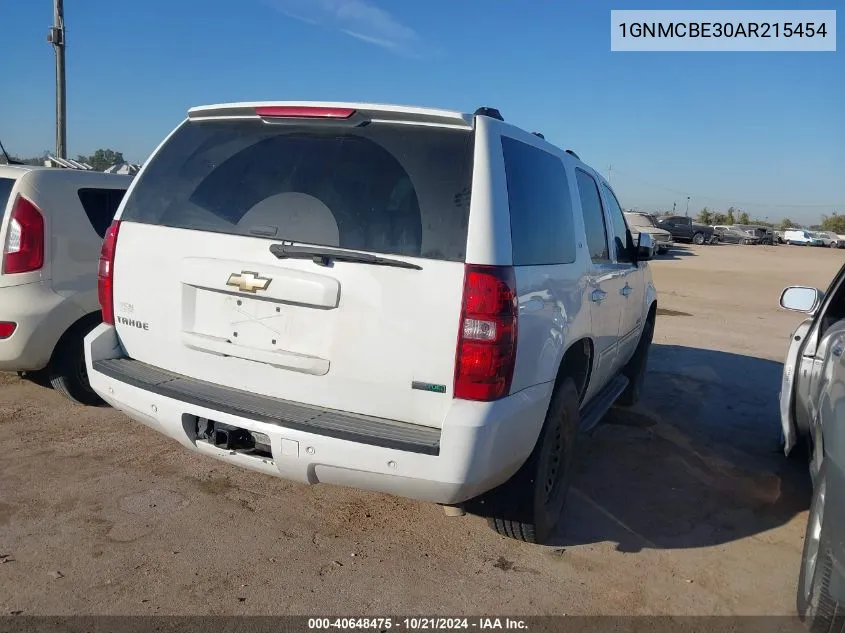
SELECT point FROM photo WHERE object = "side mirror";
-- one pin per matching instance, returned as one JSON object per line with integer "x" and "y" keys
{"x": 801, "y": 299}
{"x": 645, "y": 247}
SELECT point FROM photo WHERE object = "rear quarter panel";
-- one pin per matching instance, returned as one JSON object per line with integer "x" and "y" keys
{"x": 73, "y": 246}
{"x": 552, "y": 309}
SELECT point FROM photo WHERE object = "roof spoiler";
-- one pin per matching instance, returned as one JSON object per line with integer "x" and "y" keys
{"x": 331, "y": 113}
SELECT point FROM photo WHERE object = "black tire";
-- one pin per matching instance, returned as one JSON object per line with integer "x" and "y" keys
{"x": 698, "y": 239}
{"x": 528, "y": 506}
{"x": 68, "y": 373}
{"x": 817, "y": 608}
{"x": 662, "y": 251}
{"x": 635, "y": 370}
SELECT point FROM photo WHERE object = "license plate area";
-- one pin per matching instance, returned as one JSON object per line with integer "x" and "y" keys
{"x": 261, "y": 324}
{"x": 256, "y": 323}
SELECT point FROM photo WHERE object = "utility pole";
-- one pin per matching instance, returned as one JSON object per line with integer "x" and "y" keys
{"x": 56, "y": 37}
{"x": 610, "y": 174}
{"x": 687, "y": 206}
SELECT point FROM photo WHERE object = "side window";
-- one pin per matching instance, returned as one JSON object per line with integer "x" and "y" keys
{"x": 620, "y": 228}
{"x": 594, "y": 225}
{"x": 542, "y": 227}
{"x": 100, "y": 206}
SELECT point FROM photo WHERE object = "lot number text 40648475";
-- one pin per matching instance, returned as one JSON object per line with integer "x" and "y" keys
{"x": 417, "y": 623}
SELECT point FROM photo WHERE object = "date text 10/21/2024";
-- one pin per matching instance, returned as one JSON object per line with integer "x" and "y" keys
{"x": 417, "y": 623}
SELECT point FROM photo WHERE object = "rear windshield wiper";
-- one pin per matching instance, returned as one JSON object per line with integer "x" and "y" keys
{"x": 323, "y": 256}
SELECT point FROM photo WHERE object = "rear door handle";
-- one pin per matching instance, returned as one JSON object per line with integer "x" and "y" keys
{"x": 598, "y": 295}
{"x": 626, "y": 290}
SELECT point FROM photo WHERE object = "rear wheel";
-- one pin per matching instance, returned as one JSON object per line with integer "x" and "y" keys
{"x": 816, "y": 606}
{"x": 527, "y": 507}
{"x": 698, "y": 239}
{"x": 635, "y": 370}
{"x": 68, "y": 373}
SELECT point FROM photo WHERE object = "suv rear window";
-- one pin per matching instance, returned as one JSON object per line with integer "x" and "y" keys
{"x": 398, "y": 189}
{"x": 100, "y": 206}
{"x": 6, "y": 185}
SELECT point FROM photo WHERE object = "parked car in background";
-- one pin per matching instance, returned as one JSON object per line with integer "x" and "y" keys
{"x": 53, "y": 223}
{"x": 730, "y": 235}
{"x": 302, "y": 316}
{"x": 813, "y": 416}
{"x": 830, "y": 239}
{"x": 779, "y": 237}
{"x": 646, "y": 223}
{"x": 683, "y": 229}
{"x": 764, "y": 234}
{"x": 801, "y": 237}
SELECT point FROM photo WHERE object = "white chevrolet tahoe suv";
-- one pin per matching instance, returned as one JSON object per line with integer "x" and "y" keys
{"x": 415, "y": 301}
{"x": 53, "y": 223}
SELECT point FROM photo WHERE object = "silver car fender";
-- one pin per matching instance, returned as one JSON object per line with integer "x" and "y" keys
{"x": 787, "y": 387}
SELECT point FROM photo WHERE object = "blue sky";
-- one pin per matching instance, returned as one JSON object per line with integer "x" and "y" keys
{"x": 760, "y": 131}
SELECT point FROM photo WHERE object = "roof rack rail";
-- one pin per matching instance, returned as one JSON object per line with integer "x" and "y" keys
{"x": 571, "y": 153}
{"x": 540, "y": 134}
{"x": 493, "y": 113}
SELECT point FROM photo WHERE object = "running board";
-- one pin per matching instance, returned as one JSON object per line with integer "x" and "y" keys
{"x": 594, "y": 410}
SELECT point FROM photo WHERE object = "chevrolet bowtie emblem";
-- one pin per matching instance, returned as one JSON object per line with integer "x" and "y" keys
{"x": 248, "y": 281}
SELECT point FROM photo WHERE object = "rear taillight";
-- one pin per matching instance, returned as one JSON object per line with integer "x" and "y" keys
{"x": 487, "y": 336}
{"x": 7, "y": 328}
{"x": 303, "y": 112}
{"x": 24, "y": 250}
{"x": 105, "y": 273}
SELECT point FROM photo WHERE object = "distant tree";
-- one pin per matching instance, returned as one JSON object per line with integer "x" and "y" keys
{"x": 720, "y": 218}
{"x": 834, "y": 222}
{"x": 102, "y": 159}
{"x": 705, "y": 216}
{"x": 786, "y": 223}
{"x": 731, "y": 218}
{"x": 743, "y": 218}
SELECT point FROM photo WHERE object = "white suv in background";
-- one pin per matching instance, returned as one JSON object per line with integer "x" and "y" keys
{"x": 53, "y": 223}
{"x": 400, "y": 299}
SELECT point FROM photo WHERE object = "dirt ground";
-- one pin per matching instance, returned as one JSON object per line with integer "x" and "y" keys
{"x": 681, "y": 506}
